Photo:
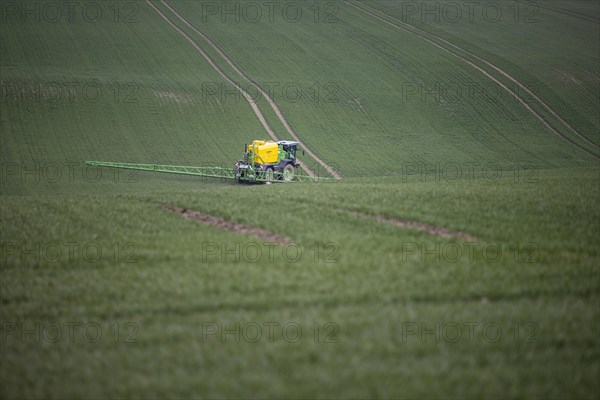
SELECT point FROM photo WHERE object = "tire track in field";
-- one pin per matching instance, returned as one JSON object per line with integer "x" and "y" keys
{"x": 244, "y": 76}
{"x": 501, "y": 71}
{"x": 246, "y": 95}
{"x": 569, "y": 13}
{"x": 484, "y": 72}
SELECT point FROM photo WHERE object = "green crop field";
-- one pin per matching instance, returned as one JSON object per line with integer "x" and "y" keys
{"x": 457, "y": 257}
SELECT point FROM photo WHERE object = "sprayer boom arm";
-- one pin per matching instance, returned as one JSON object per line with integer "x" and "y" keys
{"x": 212, "y": 172}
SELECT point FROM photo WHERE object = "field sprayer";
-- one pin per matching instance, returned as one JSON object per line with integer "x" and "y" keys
{"x": 264, "y": 161}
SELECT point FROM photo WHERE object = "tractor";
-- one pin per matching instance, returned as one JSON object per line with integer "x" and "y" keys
{"x": 267, "y": 161}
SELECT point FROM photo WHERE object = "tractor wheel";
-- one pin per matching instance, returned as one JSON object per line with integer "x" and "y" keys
{"x": 269, "y": 174}
{"x": 289, "y": 172}
{"x": 237, "y": 173}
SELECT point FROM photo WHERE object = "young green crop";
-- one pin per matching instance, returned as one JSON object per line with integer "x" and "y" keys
{"x": 458, "y": 257}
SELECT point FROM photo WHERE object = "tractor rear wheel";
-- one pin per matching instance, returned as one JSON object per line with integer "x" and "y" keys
{"x": 289, "y": 172}
{"x": 269, "y": 174}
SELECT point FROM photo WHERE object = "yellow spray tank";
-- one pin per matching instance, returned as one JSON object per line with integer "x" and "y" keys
{"x": 265, "y": 152}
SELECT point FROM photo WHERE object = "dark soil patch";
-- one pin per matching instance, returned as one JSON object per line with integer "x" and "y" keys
{"x": 430, "y": 229}
{"x": 230, "y": 226}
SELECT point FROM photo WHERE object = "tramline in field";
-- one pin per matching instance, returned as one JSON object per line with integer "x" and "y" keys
{"x": 264, "y": 161}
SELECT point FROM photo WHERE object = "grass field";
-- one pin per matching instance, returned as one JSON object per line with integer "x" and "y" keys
{"x": 457, "y": 257}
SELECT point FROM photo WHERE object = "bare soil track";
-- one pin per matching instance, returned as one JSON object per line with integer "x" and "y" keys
{"x": 430, "y": 229}
{"x": 426, "y": 36}
{"x": 230, "y": 226}
{"x": 246, "y": 95}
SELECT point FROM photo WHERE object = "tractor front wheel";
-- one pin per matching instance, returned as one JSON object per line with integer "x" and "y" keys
{"x": 289, "y": 172}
